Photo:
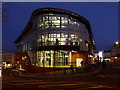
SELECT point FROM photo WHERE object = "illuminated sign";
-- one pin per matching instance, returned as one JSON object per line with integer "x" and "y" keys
{"x": 78, "y": 62}
{"x": 100, "y": 55}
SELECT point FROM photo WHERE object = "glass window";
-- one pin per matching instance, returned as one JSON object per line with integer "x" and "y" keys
{"x": 47, "y": 58}
{"x": 52, "y": 20}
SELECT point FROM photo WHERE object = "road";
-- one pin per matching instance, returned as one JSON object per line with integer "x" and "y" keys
{"x": 62, "y": 82}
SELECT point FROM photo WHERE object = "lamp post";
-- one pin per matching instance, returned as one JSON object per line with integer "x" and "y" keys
{"x": 117, "y": 48}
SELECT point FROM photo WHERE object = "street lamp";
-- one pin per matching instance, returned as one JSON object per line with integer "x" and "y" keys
{"x": 117, "y": 49}
{"x": 117, "y": 43}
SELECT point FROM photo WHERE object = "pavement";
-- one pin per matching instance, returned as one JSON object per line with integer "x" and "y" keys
{"x": 97, "y": 79}
{"x": 58, "y": 73}
{"x": 110, "y": 73}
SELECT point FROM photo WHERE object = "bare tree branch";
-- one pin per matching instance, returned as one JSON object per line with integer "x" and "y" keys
{"x": 4, "y": 7}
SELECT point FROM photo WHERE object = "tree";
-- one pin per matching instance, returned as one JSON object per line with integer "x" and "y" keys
{"x": 4, "y": 7}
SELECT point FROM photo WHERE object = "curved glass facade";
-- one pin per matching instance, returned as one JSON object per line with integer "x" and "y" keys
{"x": 55, "y": 21}
{"x": 53, "y": 30}
{"x": 58, "y": 29}
{"x": 59, "y": 38}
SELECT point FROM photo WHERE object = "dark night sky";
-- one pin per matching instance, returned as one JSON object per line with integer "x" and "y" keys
{"x": 103, "y": 18}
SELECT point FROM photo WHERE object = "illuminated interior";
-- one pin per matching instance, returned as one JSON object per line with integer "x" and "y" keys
{"x": 53, "y": 58}
{"x": 57, "y": 39}
{"x": 47, "y": 29}
{"x": 55, "y": 21}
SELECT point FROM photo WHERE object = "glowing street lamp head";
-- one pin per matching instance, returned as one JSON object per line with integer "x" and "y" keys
{"x": 117, "y": 43}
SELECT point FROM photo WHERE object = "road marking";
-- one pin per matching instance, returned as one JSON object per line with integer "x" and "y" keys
{"x": 63, "y": 84}
{"x": 58, "y": 85}
{"x": 26, "y": 81}
{"x": 96, "y": 87}
{"x": 76, "y": 83}
{"x": 44, "y": 84}
{"x": 37, "y": 82}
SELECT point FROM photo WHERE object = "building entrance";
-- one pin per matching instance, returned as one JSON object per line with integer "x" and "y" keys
{"x": 53, "y": 58}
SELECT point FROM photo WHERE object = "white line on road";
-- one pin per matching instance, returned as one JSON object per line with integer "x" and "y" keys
{"x": 21, "y": 83}
{"x": 73, "y": 84}
{"x": 96, "y": 87}
{"x": 58, "y": 85}
{"x": 27, "y": 81}
{"x": 45, "y": 84}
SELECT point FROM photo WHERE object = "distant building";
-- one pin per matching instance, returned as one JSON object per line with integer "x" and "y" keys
{"x": 56, "y": 38}
{"x": 115, "y": 51}
{"x": 113, "y": 54}
{"x": 107, "y": 54}
{"x": 8, "y": 59}
{"x": 103, "y": 55}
